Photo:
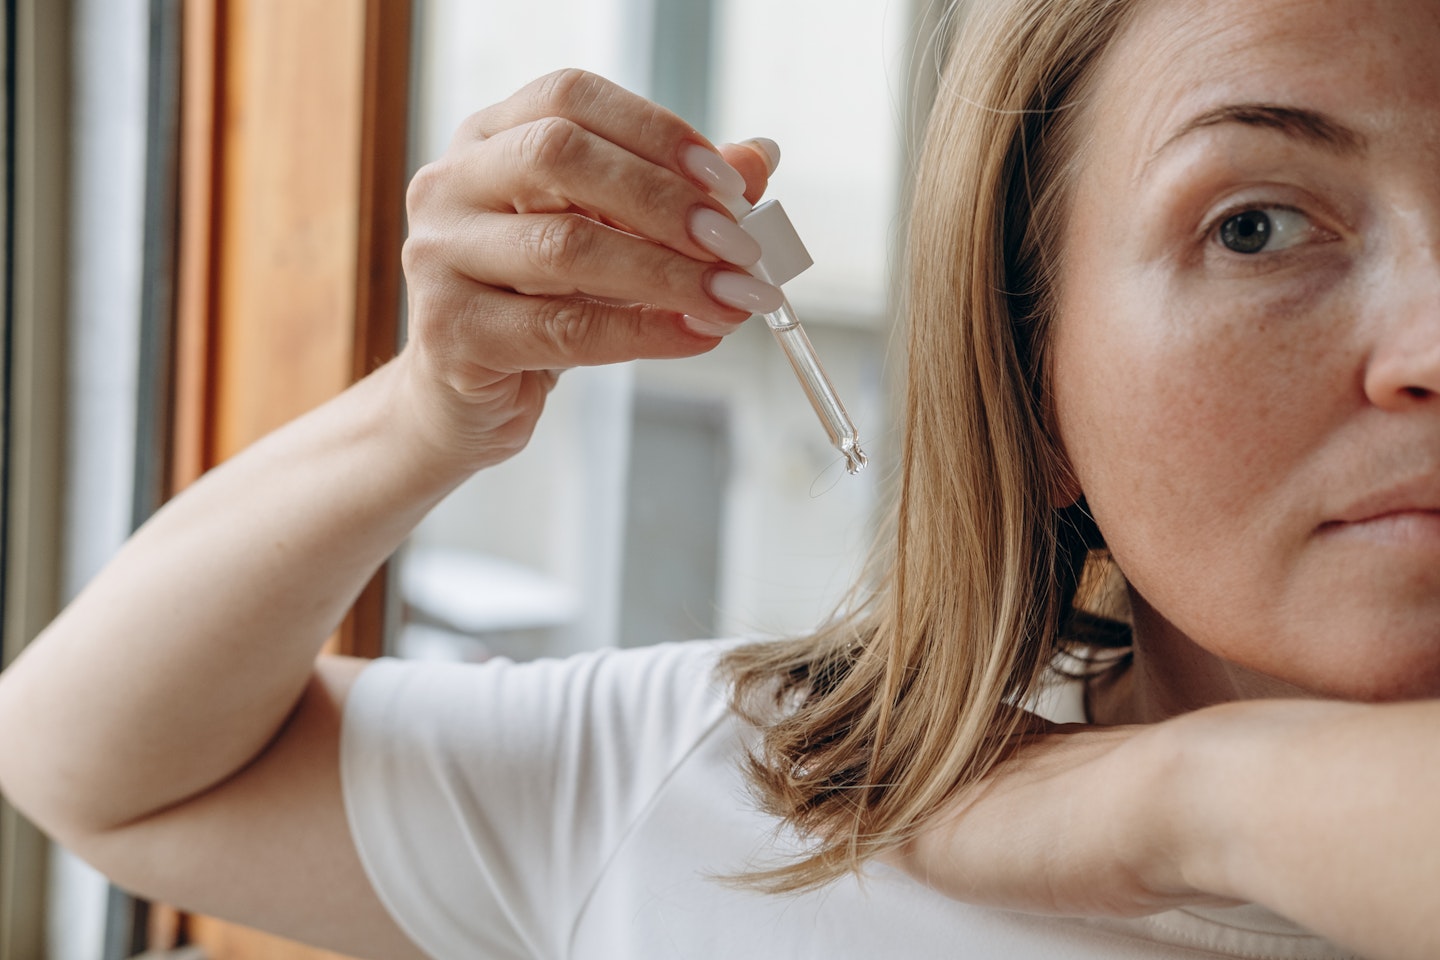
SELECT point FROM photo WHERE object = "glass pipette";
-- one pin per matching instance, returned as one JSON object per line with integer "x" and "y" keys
{"x": 784, "y": 257}
{"x": 786, "y": 327}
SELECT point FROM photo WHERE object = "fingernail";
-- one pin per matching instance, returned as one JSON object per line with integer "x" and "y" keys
{"x": 711, "y": 170}
{"x": 744, "y": 292}
{"x": 723, "y": 237}
{"x": 708, "y": 328}
{"x": 769, "y": 148}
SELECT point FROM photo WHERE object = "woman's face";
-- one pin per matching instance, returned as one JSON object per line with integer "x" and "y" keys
{"x": 1247, "y": 350}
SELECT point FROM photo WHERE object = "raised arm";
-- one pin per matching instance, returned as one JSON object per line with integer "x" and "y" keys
{"x": 171, "y": 725}
{"x": 1324, "y": 812}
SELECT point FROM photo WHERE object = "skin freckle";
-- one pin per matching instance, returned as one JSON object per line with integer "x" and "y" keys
{"x": 1209, "y": 397}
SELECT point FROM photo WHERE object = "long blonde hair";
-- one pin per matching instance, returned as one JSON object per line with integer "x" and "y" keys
{"x": 879, "y": 719}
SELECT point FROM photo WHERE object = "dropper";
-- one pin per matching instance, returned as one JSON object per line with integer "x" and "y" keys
{"x": 783, "y": 258}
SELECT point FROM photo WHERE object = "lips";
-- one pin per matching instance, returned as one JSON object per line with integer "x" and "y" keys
{"x": 1420, "y": 497}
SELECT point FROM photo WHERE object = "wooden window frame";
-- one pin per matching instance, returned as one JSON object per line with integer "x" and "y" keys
{"x": 237, "y": 308}
{"x": 292, "y": 167}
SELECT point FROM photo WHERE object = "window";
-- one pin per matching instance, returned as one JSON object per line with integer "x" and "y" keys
{"x": 775, "y": 529}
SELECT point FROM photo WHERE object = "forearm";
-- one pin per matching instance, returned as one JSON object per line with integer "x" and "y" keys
{"x": 176, "y": 666}
{"x": 1328, "y": 814}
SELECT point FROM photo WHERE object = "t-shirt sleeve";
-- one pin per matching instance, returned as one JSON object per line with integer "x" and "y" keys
{"x": 485, "y": 799}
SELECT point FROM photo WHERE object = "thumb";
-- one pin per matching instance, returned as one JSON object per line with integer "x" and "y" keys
{"x": 756, "y": 161}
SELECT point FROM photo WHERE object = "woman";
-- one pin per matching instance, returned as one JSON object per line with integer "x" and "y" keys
{"x": 1176, "y": 279}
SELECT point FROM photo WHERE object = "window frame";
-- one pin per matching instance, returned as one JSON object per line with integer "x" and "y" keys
{"x": 36, "y": 153}
{"x": 237, "y": 370}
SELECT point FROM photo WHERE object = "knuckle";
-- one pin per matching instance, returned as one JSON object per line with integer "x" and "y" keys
{"x": 423, "y": 188}
{"x": 439, "y": 313}
{"x": 564, "y": 91}
{"x": 422, "y": 253}
{"x": 416, "y": 254}
{"x": 549, "y": 143}
{"x": 666, "y": 201}
{"x": 680, "y": 275}
{"x": 557, "y": 244}
{"x": 473, "y": 126}
{"x": 412, "y": 256}
{"x": 568, "y": 325}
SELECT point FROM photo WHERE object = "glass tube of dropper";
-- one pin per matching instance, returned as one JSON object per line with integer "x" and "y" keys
{"x": 784, "y": 257}
{"x": 785, "y": 325}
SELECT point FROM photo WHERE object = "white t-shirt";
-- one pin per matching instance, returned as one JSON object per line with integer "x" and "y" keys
{"x": 585, "y": 809}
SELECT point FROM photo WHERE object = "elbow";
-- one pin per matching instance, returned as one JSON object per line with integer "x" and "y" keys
{"x": 37, "y": 777}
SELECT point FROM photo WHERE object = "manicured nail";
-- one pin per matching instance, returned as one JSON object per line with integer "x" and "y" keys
{"x": 769, "y": 148}
{"x": 723, "y": 237}
{"x": 711, "y": 170}
{"x": 744, "y": 292}
{"x": 709, "y": 328}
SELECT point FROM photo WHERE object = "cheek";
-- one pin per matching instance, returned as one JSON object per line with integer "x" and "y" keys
{"x": 1189, "y": 419}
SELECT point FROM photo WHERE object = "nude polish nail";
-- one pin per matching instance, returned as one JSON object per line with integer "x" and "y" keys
{"x": 723, "y": 237}
{"x": 769, "y": 148}
{"x": 711, "y": 170}
{"x": 708, "y": 328}
{"x": 744, "y": 292}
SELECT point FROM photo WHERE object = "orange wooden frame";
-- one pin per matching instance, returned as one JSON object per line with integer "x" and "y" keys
{"x": 293, "y": 159}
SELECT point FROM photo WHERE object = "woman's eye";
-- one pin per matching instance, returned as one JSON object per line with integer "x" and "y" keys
{"x": 1264, "y": 228}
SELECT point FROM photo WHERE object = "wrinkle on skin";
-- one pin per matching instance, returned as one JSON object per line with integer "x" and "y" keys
{"x": 1217, "y": 410}
{"x": 1245, "y": 46}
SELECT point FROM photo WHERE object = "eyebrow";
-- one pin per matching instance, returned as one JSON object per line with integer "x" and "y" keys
{"x": 1308, "y": 126}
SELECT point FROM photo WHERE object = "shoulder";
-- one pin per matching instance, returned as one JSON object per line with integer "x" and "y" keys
{"x": 636, "y": 686}
{"x": 521, "y": 733}
{"x": 486, "y": 799}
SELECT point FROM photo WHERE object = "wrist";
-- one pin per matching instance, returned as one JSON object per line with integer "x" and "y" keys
{"x": 1224, "y": 787}
{"x": 457, "y": 432}
{"x": 1194, "y": 807}
{"x": 1161, "y": 831}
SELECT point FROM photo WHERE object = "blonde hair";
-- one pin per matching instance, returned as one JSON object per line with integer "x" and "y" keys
{"x": 874, "y": 723}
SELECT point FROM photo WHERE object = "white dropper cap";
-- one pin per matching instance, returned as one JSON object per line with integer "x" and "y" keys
{"x": 783, "y": 256}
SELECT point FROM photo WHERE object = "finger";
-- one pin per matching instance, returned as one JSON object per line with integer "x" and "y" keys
{"x": 522, "y": 333}
{"x": 554, "y": 165}
{"x": 615, "y": 114}
{"x": 571, "y": 255}
{"x": 755, "y": 160}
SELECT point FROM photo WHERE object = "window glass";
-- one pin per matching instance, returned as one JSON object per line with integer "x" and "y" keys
{"x": 699, "y": 497}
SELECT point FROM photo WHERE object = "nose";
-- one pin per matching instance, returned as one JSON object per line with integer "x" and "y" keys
{"x": 1404, "y": 366}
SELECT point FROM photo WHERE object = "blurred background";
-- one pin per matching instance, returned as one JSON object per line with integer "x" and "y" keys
{"x": 202, "y": 206}
{"x": 664, "y": 501}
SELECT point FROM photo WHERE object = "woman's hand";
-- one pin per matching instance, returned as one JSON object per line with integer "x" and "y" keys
{"x": 572, "y": 224}
{"x": 1325, "y": 812}
{"x": 1075, "y": 821}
